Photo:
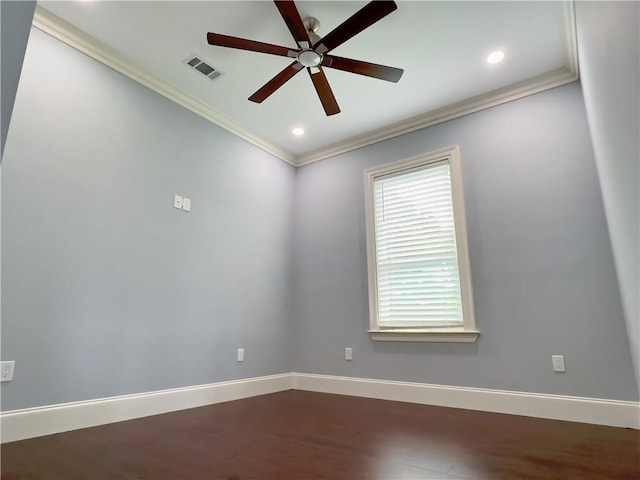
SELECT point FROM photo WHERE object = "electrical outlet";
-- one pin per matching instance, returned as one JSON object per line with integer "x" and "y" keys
{"x": 241, "y": 354}
{"x": 177, "y": 202}
{"x": 558, "y": 363}
{"x": 348, "y": 353}
{"x": 6, "y": 371}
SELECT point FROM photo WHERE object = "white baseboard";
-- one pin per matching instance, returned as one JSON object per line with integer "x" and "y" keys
{"x": 35, "y": 422}
{"x": 614, "y": 413}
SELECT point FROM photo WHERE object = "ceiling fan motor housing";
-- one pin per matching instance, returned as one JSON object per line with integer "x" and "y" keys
{"x": 312, "y": 25}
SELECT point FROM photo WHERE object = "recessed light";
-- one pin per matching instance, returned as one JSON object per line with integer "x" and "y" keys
{"x": 495, "y": 57}
{"x": 298, "y": 131}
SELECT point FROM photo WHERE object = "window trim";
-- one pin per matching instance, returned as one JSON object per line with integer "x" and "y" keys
{"x": 466, "y": 334}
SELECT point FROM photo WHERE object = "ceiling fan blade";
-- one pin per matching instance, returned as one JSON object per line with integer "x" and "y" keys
{"x": 276, "y": 82}
{"x": 390, "y": 74}
{"x": 324, "y": 92}
{"x": 292, "y": 18}
{"x": 362, "y": 19}
{"x": 251, "y": 45}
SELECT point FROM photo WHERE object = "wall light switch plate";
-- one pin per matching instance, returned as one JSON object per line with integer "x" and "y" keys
{"x": 186, "y": 204}
{"x": 558, "y": 363}
{"x": 177, "y": 202}
{"x": 6, "y": 371}
{"x": 241, "y": 354}
{"x": 348, "y": 353}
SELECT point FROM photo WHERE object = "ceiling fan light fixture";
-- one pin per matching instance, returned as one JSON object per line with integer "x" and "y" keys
{"x": 310, "y": 58}
{"x": 495, "y": 57}
{"x": 297, "y": 131}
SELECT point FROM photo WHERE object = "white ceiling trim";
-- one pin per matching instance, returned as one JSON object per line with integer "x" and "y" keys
{"x": 77, "y": 39}
{"x": 66, "y": 33}
{"x": 472, "y": 105}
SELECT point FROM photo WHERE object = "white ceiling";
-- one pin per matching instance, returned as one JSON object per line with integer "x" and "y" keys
{"x": 442, "y": 46}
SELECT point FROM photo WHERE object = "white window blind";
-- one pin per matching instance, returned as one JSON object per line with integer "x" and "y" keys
{"x": 418, "y": 281}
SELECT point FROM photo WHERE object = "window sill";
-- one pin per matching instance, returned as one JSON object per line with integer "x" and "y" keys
{"x": 441, "y": 335}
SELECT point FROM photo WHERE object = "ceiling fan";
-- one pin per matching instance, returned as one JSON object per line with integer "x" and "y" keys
{"x": 313, "y": 52}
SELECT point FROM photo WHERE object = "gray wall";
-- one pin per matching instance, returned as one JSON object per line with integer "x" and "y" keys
{"x": 543, "y": 274}
{"x": 15, "y": 20}
{"x": 609, "y": 48}
{"x": 107, "y": 289}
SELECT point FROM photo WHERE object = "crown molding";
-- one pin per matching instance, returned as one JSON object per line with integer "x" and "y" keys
{"x": 75, "y": 38}
{"x": 571, "y": 36}
{"x": 70, "y": 35}
{"x": 547, "y": 81}
{"x": 460, "y": 109}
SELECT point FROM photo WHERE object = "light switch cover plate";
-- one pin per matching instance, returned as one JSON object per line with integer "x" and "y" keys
{"x": 558, "y": 363}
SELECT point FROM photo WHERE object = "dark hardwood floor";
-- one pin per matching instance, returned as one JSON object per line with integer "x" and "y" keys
{"x": 302, "y": 436}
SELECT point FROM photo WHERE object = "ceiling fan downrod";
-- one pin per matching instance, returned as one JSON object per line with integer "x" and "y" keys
{"x": 308, "y": 57}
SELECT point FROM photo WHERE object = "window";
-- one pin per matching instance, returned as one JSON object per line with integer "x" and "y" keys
{"x": 418, "y": 261}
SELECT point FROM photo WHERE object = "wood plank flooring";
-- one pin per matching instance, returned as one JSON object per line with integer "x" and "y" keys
{"x": 306, "y": 436}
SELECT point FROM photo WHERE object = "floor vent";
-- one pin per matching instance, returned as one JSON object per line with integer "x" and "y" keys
{"x": 201, "y": 66}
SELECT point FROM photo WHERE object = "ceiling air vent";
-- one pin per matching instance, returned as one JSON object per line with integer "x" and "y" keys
{"x": 204, "y": 68}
